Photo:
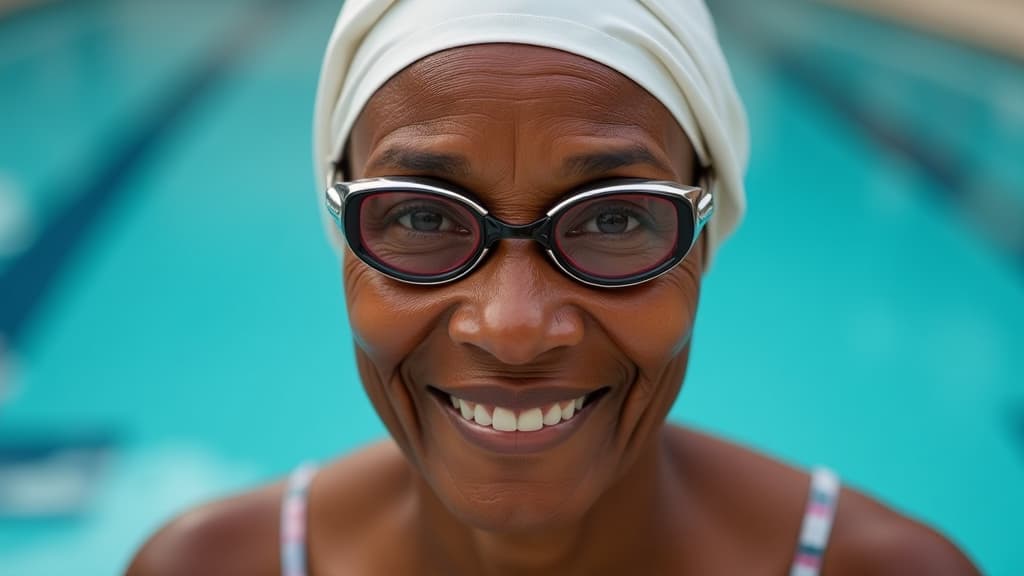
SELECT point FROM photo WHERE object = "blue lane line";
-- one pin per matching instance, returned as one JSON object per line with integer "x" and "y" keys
{"x": 1017, "y": 425}
{"x": 950, "y": 178}
{"x": 17, "y": 16}
{"x": 26, "y": 281}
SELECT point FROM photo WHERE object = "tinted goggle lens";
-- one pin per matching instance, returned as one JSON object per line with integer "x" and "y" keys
{"x": 418, "y": 234}
{"x": 424, "y": 236}
{"x": 617, "y": 236}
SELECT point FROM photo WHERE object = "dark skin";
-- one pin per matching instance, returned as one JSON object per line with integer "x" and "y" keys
{"x": 627, "y": 493}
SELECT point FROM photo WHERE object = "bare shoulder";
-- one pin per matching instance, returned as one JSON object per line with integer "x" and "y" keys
{"x": 240, "y": 535}
{"x": 755, "y": 502}
{"x": 360, "y": 510}
{"x": 765, "y": 498}
{"x": 237, "y": 535}
{"x": 868, "y": 538}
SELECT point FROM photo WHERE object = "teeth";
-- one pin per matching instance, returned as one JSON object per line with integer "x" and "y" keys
{"x": 506, "y": 420}
{"x": 466, "y": 408}
{"x": 480, "y": 415}
{"x": 530, "y": 420}
{"x": 553, "y": 415}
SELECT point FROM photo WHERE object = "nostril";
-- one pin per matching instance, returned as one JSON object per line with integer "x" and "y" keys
{"x": 516, "y": 333}
{"x": 568, "y": 326}
{"x": 464, "y": 325}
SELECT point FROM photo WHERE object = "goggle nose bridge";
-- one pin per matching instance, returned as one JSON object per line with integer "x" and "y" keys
{"x": 495, "y": 230}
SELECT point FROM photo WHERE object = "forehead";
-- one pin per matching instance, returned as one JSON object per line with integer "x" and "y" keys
{"x": 525, "y": 75}
{"x": 501, "y": 104}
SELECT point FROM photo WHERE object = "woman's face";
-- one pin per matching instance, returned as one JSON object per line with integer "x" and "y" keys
{"x": 519, "y": 127}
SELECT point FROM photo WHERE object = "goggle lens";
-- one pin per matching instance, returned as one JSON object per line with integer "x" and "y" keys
{"x": 617, "y": 236}
{"x": 417, "y": 233}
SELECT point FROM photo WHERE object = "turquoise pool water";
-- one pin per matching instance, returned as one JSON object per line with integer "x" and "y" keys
{"x": 869, "y": 314}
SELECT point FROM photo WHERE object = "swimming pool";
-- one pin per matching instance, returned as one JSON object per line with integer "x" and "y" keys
{"x": 167, "y": 284}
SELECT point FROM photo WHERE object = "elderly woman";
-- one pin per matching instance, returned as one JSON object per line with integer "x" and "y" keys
{"x": 530, "y": 192}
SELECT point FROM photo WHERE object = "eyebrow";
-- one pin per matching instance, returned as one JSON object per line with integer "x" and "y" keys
{"x": 597, "y": 163}
{"x": 415, "y": 160}
{"x": 581, "y": 165}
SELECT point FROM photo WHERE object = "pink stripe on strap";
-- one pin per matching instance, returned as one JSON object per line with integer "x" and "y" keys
{"x": 817, "y": 524}
{"x": 293, "y": 522}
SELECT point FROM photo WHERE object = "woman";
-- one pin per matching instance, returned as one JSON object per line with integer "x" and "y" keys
{"x": 526, "y": 191}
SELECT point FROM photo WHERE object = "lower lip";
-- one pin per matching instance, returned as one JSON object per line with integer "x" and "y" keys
{"x": 516, "y": 442}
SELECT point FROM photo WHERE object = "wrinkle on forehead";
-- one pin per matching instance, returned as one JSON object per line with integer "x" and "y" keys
{"x": 495, "y": 65}
{"x": 511, "y": 108}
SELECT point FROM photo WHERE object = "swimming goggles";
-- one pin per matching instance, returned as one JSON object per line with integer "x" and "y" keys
{"x": 428, "y": 232}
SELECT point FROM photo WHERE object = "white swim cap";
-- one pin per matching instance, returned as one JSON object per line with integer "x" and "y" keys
{"x": 669, "y": 47}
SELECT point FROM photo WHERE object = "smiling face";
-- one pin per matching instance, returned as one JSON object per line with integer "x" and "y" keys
{"x": 519, "y": 127}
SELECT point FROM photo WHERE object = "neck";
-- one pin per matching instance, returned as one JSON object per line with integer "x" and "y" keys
{"x": 615, "y": 536}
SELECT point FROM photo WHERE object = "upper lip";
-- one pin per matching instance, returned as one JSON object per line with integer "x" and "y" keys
{"x": 517, "y": 398}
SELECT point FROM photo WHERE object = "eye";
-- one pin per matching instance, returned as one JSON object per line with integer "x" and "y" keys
{"x": 615, "y": 221}
{"x": 424, "y": 221}
{"x": 428, "y": 219}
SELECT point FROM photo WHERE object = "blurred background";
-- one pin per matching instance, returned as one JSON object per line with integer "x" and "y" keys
{"x": 171, "y": 318}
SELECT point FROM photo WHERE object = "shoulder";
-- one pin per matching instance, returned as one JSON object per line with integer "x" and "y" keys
{"x": 766, "y": 499}
{"x": 868, "y": 538}
{"x": 240, "y": 535}
{"x": 360, "y": 509}
{"x": 754, "y": 503}
{"x": 210, "y": 539}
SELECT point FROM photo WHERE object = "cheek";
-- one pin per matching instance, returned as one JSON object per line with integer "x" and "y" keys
{"x": 388, "y": 319}
{"x": 654, "y": 329}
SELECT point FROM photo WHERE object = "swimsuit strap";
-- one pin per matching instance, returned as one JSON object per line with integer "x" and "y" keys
{"x": 817, "y": 524}
{"x": 814, "y": 533}
{"x": 293, "y": 522}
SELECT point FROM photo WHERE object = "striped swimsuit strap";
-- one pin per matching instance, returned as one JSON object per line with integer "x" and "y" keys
{"x": 293, "y": 522}
{"x": 817, "y": 523}
{"x": 814, "y": 533}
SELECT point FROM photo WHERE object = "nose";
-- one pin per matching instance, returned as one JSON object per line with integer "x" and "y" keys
{"x": 518, "y": 308}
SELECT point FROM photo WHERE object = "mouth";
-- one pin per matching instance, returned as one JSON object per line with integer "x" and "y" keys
{"x": 517, "y": 425}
